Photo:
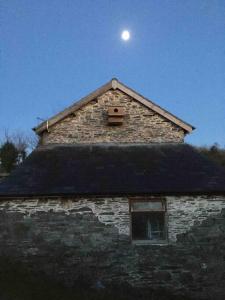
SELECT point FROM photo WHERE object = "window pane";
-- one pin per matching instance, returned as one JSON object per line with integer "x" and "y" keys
{"x": 139, "y": 226}
{"x": 147, "y": 205}
{"x": 148, "y": 226}
{"x": 156, "y": 226}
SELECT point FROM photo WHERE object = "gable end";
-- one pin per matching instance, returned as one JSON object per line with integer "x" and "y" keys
{"x": 113, "y": 84}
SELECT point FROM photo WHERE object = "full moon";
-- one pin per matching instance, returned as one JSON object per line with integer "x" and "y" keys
{"x": 125, "y": 35}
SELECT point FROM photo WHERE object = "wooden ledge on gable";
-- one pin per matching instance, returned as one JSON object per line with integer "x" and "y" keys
{"x": 116, "y": 115}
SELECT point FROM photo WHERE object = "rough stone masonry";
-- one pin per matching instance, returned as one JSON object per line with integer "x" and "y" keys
{"x": 89, "y": 124}
{"x": 92, "y": 236}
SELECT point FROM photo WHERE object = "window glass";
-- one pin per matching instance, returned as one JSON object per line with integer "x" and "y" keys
{"x": 148, "y": 220}
{"x": 147, "y": 205}
{"x": 148, "y": 226}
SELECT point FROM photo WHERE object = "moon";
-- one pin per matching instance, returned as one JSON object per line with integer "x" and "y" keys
{"x": 125, "y": 35}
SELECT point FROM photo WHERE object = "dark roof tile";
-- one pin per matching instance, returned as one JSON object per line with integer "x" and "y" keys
{"x": 114, "y": 170}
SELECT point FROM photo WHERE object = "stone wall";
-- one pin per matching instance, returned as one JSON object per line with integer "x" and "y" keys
{"x": 75, "y": 238}
{"x": 89, "y": 124}
{"x": 184, "y": 212}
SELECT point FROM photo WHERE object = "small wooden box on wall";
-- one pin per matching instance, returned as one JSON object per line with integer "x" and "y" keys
{"x": 116, "y": 115}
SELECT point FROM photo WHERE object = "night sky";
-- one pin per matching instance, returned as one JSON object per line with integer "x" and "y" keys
{"x": 55, "y": 52}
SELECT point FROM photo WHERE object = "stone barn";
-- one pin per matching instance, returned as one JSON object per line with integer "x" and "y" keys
{"x": 113, "y": 195}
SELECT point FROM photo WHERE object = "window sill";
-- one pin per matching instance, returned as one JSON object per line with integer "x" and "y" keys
{"x": 153, "y": 243}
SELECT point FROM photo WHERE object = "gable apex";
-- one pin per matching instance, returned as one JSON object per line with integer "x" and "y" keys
{"x": 114, "y": 84}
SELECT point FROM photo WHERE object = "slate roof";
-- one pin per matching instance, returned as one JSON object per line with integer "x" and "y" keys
{"x": 114, "y": 170}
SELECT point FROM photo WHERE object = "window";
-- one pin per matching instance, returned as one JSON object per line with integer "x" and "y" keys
{"x": 148, "y": 220}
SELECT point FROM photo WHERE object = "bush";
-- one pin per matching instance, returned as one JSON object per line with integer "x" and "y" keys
{"x": 9, "y": 156}
{"x": 214, "y": 153}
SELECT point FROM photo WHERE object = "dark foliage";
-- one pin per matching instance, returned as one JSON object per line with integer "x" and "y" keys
{"x": 214, "y": 153}
{"x": 9, "y": 156}
{"x": 14, "y": 149}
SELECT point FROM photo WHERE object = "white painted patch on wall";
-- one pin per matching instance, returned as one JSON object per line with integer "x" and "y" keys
{"x": 183, "y": 212}
{"x": 109, "y": 211}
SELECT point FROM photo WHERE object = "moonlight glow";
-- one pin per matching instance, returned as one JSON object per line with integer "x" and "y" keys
{"x": 125, "y": 35}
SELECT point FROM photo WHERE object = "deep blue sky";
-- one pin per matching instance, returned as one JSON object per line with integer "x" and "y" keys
{"x": 54, "y": 52}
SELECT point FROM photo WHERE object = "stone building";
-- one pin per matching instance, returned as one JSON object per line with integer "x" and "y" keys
{"x": 113, "y": 194}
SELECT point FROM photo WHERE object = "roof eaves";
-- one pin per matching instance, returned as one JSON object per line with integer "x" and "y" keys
{"x": 61, "y": 115}
{"x": 114, "y": 194}
{"x": 150, "y": 104}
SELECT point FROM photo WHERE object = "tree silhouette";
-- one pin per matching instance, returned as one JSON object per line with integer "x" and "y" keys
{"x": 214, "y": 153}
{"x": 8, "y": 156}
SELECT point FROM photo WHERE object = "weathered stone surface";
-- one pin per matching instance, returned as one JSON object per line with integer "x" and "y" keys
{"x": 89, "y": 124}
{"x": 184, "y": 212}
{"x": 68, "y": 239}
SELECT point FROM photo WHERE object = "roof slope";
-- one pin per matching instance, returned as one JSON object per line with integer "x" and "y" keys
{"x": 114, "y": 170}
{"x": 113, "y": 84}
